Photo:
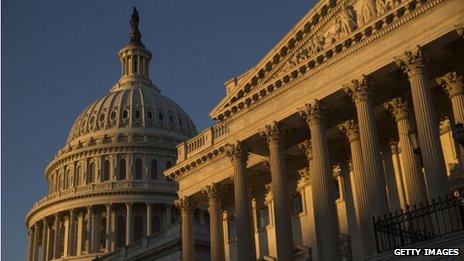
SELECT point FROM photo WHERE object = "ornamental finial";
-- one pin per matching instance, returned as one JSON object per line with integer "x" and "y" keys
{"x": 135, "y": 36}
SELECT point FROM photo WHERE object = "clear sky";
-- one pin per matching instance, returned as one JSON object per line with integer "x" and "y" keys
{"x": 59, "y": 56}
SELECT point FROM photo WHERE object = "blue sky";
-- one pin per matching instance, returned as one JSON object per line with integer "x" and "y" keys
{"x": 59, "y": 56}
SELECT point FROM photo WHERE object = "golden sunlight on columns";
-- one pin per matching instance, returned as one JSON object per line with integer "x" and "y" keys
{"x": 88, "y": 231}
{"x": 44, "y": 239}
{"x": 108, "y": 228}
{"x": 325, "y": 211}
{"x": 72, "y": 232}
{"x": 129, "y": 226}
{"x": 213, "y": 193}
{"x": 413, "y": 64}
{"x": 186, "y": 207}
{"x": 283, "y": 225}
{"x": 238, "y": 155}
{"x": 149, "y": 218}
{"x": 35, "y": 251}
{"x": 412, "y": 171}
{"x": 56, "y": 237}
{"x": 359, "y": 91}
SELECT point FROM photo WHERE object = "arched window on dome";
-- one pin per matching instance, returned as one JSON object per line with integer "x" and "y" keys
{"x": 122, "y": 169}
{"x": 138, "y": 169}
{"x": 155, "y": 224}
{"x": 105, "y": 174}
{"x": 121, "y": 232}
{"x": 138, "y": 227}
{"x": 154, "y": 169}
{"x": 91, "y": 173}
{"x": 66, "y": 179}
{"x": 79, "y": 175}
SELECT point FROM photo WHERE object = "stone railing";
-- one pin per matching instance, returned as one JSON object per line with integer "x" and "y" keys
{"x": 203, "y": 140}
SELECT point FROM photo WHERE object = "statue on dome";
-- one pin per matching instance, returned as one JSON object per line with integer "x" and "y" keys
{"x": 135, "y": 35}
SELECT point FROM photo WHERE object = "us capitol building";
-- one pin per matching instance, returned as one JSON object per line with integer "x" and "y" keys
{"x": 341, "y": 143}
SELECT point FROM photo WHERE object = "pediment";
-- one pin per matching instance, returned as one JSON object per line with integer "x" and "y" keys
{"x": 325, "y": 27}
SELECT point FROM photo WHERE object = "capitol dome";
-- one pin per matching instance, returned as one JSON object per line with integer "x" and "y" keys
{"x": 106, "y": 188}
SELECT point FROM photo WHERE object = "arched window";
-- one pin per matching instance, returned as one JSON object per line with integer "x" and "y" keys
{"x": 66, "y": 179}
{"x": 106, "y": 170}
{"x": 155, "y": 224}
{"x": 138, "y": 169}
{"x": 154, "y": 170}
{"x": 91, "y": 173}
{"x": 121, "y": 232}
{"x": 79, "y": 175}
{"x": 122, "y": 169}
{"x": 138, "y": 227}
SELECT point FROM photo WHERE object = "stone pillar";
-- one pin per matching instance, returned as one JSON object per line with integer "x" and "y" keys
{"x": 35, "y": 250}
{"x": 213, "y": 194}
{"x": 44, "y": 238}
{"x": 413, "y": 64}
{"x": 186, "y": 207}
{"x": 56, "y": 237}
{"x": 238, "y": 155}
{"x": 416, "y": 192}
{"x": 364, "y": 212}
{"x": 325, "y": 210}
{"x": 88, "y": 233}
{"x": 359, "y": 90}
{"x": 283, "y": 225}
{"x": 72, "y": 232}
{"x": 113, "y": 230}
{"x": 30, "y": 238}
{"x": 453, "y": 83}
{"x": 149, "y": 218}
{"x": 108, "y": 228}
{"x": 397, "y": 168}
{"x": 129, "y": 226}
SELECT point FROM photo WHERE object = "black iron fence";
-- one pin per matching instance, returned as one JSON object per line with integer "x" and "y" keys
{"x": 420, "y": 223}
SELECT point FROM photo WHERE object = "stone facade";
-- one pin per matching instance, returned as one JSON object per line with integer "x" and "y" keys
{"x": 347, "y": 118}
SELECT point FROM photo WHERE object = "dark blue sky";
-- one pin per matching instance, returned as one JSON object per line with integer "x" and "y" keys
{"x": 59, "y": 56}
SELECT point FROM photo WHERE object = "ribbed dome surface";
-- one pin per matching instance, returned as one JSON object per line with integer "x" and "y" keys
{"x": 136, "y": 107}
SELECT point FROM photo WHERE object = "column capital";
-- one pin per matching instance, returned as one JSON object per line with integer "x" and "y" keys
{"x": 306, "y": 147}
{"x": 393, "y": 144}
{"x": 452, "y": 83}
{"x": 413, "y": 62}
{"x": 237, "y": 152}
{"x": 128, "y": 204}
{"x": 305, "y": 177}
{"x": 185, "y": 204}
{"x": 213, "y": 191}
{"x": 268, "y": 196}
{"x": 398, "y": 107}
{"x": 313, "y": 113}
{"x": 359, "y": 89}
{"x": 351, "y": 130}
{"x": 271, "y": 133}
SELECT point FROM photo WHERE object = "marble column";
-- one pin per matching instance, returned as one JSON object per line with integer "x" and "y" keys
{"x": 213, "y": 194}
{"x": 359, "y": 90}
{"x": 72, "y": 232}
{"x": 44, "y": 239}
{"x": 453, "y": 84}
{"x": 397, "y": 168}
{"x": 413, "y": 64}
{"x": 325, "y": 210}
{"x": 88, "y": 232}
{"x": 108, "y": 228}
{"x": 129, "y": 226}
{"x": 149, "y": 218}
{"x": 238, "y": 155}
{"x": 364, "y": 212}
{"x": 283, "y": 226}
{"x": 56, "y": 237}
{"x": 186, "y": 207}
{"x": 30, "y": 238}
{"x": 416, "y": 192}
{"x": 35, "y": 250}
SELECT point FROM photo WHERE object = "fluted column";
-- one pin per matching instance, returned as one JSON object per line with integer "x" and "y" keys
{"x": 129, "y": 226}
{"x": 325, "y": 211}
{"x": 88, "y": 232}
{"x": 413, "y": 64}
{"x": 395, "y": 152}
{"x": 213, "y": 194}
{"x": 359, "y": 91}
{"x": 149, "y": 218}
{"x": 364, "y": 212}
{"x": 35, "y": 252}
{"x": 44, "y": 238}
{"x": 56, "y": 237}
{"x": 238, "y": 155}
{"x": 416, "y": 192}
{"x": 108, "y": 228}
{"x": 283, "y": 225}
{"x": 187, "y": 208}
{"x": 453, "y": 84}
{"x": 72, "y": 232}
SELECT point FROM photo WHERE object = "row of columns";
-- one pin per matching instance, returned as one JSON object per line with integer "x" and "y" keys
{"x": 51, "y": 250}
{"x": 368, "y": 175}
